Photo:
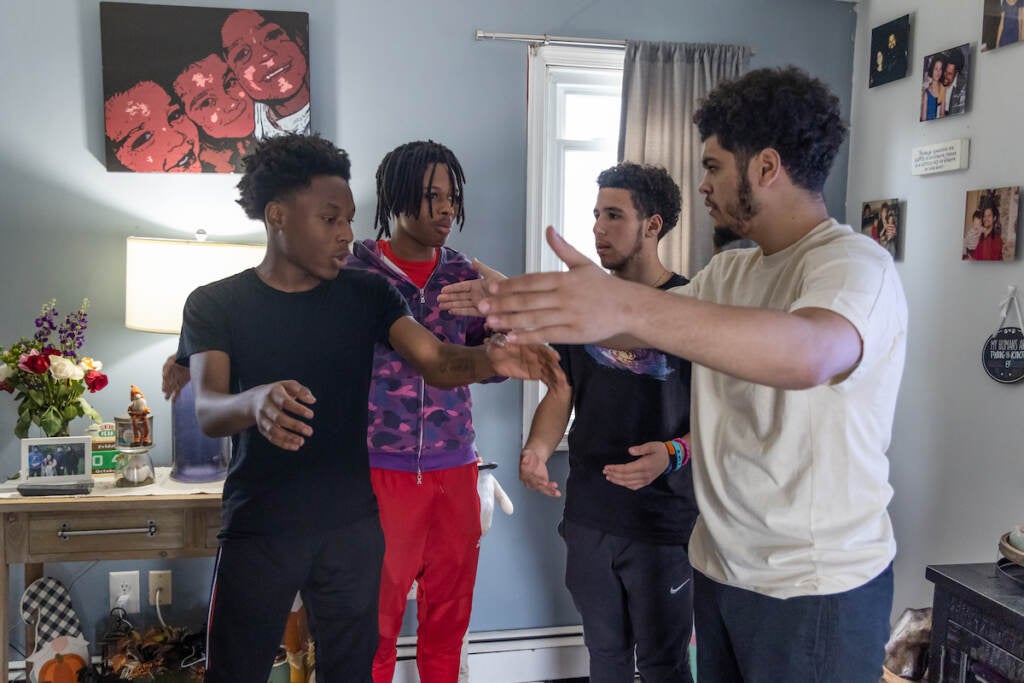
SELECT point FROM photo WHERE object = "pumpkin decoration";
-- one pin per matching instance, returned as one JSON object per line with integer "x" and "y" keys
{"x": 59, "y": 660}
{"x": 61, "y": 669}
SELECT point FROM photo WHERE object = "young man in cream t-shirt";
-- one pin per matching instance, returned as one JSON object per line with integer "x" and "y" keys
{"x": 798, "y": 348}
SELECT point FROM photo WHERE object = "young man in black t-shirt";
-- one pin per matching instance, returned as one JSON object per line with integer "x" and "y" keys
{"x": 629, "y": 508}
{"x": 281, "y": 357}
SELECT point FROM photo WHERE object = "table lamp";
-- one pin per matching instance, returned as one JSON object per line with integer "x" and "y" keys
{"x": 159, "y": 276}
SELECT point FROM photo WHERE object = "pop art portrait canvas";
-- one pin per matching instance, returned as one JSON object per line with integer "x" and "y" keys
{"x": 190, "y": 89}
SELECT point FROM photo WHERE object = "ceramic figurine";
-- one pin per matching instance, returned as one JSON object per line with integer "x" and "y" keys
{"x": 138, "y": 411}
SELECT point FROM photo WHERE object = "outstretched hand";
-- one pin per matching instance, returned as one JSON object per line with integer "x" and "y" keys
{"x": 533, "y": 472}
{"x": 173, "y": 378}
{"x": 651, "y": 461}
{"x": 280, "y": 410}
{"x": 525, "y": 361}
{"x": 574, "y": 307}
{"x": 462, "y": 298}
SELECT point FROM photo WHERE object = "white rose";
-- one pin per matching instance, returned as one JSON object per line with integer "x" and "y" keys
{"x": 5, "y": 371}
{"x": 65, "y": 368}
{"x": 88, "y": 364}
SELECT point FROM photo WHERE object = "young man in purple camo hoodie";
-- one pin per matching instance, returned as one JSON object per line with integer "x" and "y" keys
{"x": 421, "y": 441}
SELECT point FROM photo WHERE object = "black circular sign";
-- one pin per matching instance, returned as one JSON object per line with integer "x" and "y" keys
{"x": 1003, "y": 355}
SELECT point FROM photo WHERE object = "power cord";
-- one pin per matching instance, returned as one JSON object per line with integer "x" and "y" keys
{"x": 158, "y": 615}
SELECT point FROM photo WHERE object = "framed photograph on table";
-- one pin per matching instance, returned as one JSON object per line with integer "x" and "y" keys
{"x": 56, "y": 460}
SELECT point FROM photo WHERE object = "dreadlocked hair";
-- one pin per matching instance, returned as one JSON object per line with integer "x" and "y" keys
{"x": 400, "y": 182}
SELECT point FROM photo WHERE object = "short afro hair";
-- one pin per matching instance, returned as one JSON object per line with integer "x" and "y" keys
{"x": 782, "y": 108}
{"x": 279, "y": 166}
{"x": 651, "y": 188}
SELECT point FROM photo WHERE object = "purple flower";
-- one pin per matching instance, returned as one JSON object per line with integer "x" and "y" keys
{"x": 46, "y": 322}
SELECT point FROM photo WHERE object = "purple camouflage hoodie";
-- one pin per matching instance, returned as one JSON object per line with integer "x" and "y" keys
{"x": 413, "y": 426}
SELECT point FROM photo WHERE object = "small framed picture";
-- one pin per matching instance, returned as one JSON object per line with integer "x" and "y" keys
{"x": 944, "y": 89}
{"x": 990, "y": 224}
{"x": 1002, "y": 24}
{"x": 881, "y": 221}
{"x": 57, "y": 459}
{"x": 890, "y": 44}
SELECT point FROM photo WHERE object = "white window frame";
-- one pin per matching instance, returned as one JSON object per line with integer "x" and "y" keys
{"x": 543, "y": 155}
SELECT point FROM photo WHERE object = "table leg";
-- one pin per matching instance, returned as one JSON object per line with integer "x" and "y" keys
{"x": 5, "y": 582}
{"x": 33, "y": 571}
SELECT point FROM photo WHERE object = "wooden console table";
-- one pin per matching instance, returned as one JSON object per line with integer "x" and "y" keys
{"x": 96, "y": 527}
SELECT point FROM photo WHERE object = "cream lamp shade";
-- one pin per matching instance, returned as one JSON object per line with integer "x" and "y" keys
{"x": 161, "y": 273}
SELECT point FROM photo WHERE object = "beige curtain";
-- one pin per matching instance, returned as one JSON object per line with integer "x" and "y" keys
{"x": 662, "y": 86}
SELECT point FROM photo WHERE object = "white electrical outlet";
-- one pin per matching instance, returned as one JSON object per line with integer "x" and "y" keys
{"x": 125, "y": 586}
{"x": 160, "y": 578}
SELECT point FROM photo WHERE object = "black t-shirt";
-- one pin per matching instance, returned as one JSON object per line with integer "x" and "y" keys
{"x": 324, "y": 339}
{"x": 623, "y": 399}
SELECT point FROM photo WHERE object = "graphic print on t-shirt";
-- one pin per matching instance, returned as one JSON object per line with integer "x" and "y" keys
{"x": 650, "y": 362}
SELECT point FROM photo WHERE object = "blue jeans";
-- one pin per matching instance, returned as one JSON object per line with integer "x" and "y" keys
{"x": 746, "y": 637}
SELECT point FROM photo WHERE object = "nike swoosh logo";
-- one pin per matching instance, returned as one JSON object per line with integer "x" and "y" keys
{"x": 673, "y": 591}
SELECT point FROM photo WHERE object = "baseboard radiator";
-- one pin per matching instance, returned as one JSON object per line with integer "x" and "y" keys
{"x": 530, "y": 655}
{"x": 533, "y": 655}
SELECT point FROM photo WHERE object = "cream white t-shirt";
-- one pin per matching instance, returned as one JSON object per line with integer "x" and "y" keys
{"x": 793, "y": 485}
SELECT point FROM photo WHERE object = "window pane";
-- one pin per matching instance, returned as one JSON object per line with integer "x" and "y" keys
{"x": 579, "y": 192}
{"x": 591, "y": 117}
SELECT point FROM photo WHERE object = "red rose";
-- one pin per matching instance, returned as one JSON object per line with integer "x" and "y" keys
{"x": 50, "y": 351}
{"x": 34, "y": 362}
{"x": 95, "y": 380}
{"x": 4, "y": 386}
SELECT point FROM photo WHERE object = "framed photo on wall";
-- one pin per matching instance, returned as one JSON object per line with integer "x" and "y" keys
{"x": 890, "y": 44}
{"x": 881, "y": 221}
{"x": 190, "y": 89}
{"x": 1002, "y": 23}
{"x": 944, "y": 89}
{"x": 990, "y": 224}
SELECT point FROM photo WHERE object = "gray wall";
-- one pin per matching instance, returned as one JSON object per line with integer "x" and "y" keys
{"x": 956, "y": 451}
{"x": 382, "y": 73}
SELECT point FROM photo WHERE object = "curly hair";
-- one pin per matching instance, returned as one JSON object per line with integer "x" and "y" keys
{"x": 279, "y": 166}
{"x": 400, "y": 182}
{"x": 782, "y": 108}
{"x": 651, "y": 188}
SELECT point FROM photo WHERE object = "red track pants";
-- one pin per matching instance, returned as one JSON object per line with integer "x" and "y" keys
{"x": 432, "y": 536}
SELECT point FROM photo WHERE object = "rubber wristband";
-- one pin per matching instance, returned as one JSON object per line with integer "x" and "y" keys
{"x": 675, "y": 456}
{"x": 686, "y": 452}
{"x": 670, "y": 446}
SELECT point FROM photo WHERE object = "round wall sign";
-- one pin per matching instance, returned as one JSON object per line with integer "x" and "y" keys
{"x": 1003, "y": 355}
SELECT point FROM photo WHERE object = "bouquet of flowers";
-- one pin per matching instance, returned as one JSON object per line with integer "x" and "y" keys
{"x": 46, "y": 375}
